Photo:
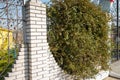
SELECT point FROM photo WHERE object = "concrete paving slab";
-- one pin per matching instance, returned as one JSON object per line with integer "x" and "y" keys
{"x": 115, "y": 69}
{"x": 110, "y": 78}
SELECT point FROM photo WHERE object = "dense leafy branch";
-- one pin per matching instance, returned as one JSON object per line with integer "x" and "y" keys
{"x": 78, "y": 36}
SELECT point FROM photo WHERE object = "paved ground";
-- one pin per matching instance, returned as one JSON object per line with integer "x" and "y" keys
{"x": 115, "y": 69}
{"x": 110, "y": 78}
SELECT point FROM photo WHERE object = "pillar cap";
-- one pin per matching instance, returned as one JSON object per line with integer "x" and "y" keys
{"x": 36, "y": 1}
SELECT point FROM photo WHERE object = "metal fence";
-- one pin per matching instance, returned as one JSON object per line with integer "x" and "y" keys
{"x": 116, "y": 41}
{"x": 116, "y": 30}
{"x": 11, "y": 33}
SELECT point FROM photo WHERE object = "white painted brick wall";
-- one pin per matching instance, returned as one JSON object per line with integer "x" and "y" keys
{"x": 34, "y": 26}
{"x": 42, "y": 30}
{"x": 22, "y": 53}
{"x": 31, "y": 30}
{"x": 23, "y": 49}
{"x": 19, "y": 68}
{"x": 10, "y": 78}
{"x": 30, "y": 15}
{"x": 37, "y": 53}
{"x": 32, "y": 52}
{"x": 44, "y": 26}
{"x": 32, "y": 38}
{"x": 33, "y": 67}
{"x": 35, "y": 61}
{"x": 15, "y": 73}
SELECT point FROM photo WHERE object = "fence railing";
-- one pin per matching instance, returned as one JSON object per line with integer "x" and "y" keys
{"x": 11, "y": 33}
{"x": 116, "y": 41}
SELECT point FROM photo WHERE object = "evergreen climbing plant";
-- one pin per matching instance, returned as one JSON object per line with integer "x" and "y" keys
{"x": 78, "y": 36}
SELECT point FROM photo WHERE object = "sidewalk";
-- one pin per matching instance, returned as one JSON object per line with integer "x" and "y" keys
{"x": 115, "y": 69}
{"x": 110, "y": 78}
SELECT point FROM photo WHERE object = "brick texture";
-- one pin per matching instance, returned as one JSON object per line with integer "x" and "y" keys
{"x": 20, "y": 68}
{"x": 35, "y": 61}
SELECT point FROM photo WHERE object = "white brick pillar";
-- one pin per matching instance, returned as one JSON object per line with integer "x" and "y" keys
{"x": 36, "y": 36}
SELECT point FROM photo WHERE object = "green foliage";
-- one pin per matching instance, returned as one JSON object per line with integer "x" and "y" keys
{"x": 78, "y": 36}
{"x": 6, "y": 61}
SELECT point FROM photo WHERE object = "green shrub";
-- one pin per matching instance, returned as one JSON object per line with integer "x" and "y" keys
{"x": 6, "y": 62}
{"x": 78, "y": 36}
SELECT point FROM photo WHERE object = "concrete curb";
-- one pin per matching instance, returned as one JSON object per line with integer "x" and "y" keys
{"x": 100, "y": 76}
{"x": 113, "y": 74}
